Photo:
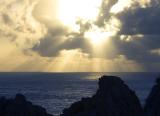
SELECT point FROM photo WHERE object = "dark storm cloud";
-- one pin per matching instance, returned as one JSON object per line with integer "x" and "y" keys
{"x": 140, "y": 20}
{"x": 57, "y": 39}
{"x": 144, "y": 21}
{"x": 135, "y": 21}
{"x": 51, "y": 44}
{"x": 105, "y": 11}
{"x": 140, "y": 49}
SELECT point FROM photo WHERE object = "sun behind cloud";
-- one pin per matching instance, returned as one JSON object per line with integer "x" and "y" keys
{"x": 79, "y": 35}
{"x": 72, "y": 10}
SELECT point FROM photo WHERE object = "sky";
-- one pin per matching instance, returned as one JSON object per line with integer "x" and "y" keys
{"x": 79, "y": 35}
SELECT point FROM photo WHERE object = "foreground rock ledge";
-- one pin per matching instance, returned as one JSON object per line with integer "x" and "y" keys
{"x": 20, "y": 107}
{"x": 113, "y": 98}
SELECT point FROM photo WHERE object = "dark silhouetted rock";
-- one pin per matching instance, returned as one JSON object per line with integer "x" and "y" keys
{"x": 20, "y": 107}
{"x": 113, "y": 98}
{"x": 152, "y": 107}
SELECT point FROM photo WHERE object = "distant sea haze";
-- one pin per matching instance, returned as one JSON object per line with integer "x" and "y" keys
{"x": 56, "y": 91}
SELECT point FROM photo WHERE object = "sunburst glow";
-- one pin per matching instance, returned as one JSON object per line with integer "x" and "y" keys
{"x": 72, "y": 10}
{"x": 79, "y": 35}
{"x": 97, "y": 36}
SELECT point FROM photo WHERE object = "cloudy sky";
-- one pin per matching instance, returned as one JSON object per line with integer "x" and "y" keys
{"x": 80, "y": 35}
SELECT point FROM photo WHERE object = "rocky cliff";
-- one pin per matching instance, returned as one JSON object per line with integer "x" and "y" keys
{"x": 152, "y": 107}
{"x": 20, "y": 107}
{"x": 113, "y": 98}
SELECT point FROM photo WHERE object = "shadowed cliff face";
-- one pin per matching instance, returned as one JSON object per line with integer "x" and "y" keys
{"x": 113, "y": 98}
{"x": 20, "y": 107}
{"x": 152, "y": 107}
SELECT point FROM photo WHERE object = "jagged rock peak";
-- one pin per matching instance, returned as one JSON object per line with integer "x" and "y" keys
{"x": 109, "y": 81}
{"x": 113, "y": 98}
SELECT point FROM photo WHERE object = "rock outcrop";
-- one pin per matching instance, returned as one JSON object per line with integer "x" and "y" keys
{"x": 113, "y": 98}
{"x": 20, "y": 107}
{"x": 152, "y": 107}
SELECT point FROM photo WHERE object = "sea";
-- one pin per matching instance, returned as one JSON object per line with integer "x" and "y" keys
{"x": 56, "y": 91}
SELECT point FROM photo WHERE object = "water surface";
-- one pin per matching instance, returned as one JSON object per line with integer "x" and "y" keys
{"x": 56, "y": 91}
